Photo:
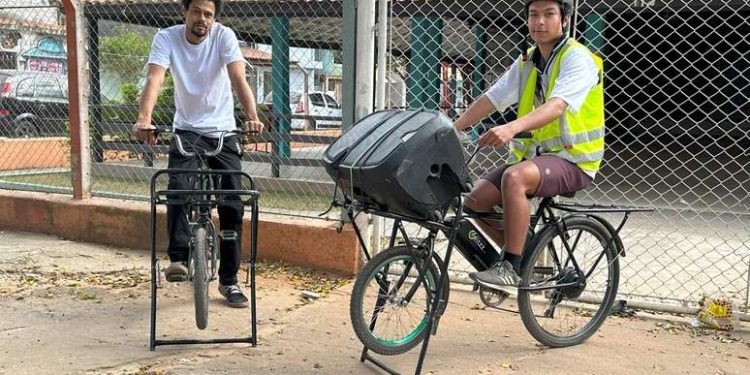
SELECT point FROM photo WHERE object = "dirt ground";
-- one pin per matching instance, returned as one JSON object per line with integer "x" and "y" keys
{"x": 73, "y": 308}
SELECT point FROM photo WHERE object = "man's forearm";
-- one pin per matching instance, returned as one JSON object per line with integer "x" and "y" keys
{"x": 540, "y": 117}
{"x": 148, "y": 99}
{"x": 245, "y": 95}
{"x": 247, "y": 99}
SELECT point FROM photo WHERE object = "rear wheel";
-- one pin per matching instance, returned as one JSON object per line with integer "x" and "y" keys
{"x": 570, "y": 303}
{"x": 200, "y": 277}
{"x": 389, "y": 312}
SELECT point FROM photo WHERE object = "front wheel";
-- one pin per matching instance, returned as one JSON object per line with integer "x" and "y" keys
{"x": 389, "y": 312}
{"x": 564, "y": 305}
{"x": 200, "y": 277}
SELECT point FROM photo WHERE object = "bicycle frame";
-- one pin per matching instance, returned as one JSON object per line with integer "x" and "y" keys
{"x": 542, "y": 218}
{"x": 199, "y": 214}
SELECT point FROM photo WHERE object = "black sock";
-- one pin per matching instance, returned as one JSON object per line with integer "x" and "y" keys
{"x": 515, "y": 261}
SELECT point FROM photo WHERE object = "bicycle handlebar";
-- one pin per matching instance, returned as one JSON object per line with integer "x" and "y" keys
{"x": 181, "y": 149}
{"x": 522, "y": 135}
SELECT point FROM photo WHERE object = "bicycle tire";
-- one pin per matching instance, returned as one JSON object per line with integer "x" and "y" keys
{"x": 200, "y": 278}
{"x": 545, "y": 244}
{"x": 361, "y": 324}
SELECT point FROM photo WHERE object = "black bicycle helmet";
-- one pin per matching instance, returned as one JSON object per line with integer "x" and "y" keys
{"x": 566, "y": 6}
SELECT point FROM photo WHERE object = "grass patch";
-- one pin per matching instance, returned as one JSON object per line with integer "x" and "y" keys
{"x": 269, "y": 200}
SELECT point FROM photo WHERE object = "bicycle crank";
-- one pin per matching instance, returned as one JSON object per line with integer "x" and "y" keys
{"x": 492, "y": 297}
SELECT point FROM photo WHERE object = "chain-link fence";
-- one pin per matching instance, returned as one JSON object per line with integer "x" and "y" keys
{"x": 291, "y": 48}
{"x": 285, "y": 66}
{"x": 677, "y": 85}
{"x": 33, "y": 96}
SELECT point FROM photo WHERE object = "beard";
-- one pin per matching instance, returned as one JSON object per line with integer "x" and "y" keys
{"x": 195, "y": 30}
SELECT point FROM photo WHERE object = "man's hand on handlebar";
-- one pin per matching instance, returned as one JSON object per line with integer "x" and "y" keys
{"x": 144, "y": 132}
{"x": 497, "y": 137}
{"x": 251, "y": 129}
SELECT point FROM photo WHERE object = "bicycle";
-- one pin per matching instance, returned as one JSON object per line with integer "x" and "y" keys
{"x": 408, "y": 286}
{"x": 200, "y": 199}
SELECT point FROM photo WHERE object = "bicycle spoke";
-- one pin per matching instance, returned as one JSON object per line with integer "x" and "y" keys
{"x": 569, "y": 287}
{"x": 397, "y": 299}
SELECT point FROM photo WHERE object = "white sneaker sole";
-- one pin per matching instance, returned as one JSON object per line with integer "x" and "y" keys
{"x": 503, "y": 288}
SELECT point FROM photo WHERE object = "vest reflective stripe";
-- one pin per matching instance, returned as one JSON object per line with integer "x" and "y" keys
{"x": 579, "y": 137}
{"x": 588, "y": 136}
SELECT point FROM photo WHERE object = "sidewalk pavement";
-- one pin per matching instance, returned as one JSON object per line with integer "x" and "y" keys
{"x": 73, "y": 308}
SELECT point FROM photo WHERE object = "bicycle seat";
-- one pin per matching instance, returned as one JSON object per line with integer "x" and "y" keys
{"x": 568, "y": 195}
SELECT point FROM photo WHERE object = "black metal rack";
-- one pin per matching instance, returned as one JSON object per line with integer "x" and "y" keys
{"x": 212, "y": 199}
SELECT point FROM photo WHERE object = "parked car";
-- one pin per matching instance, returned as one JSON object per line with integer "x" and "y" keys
{"x": 322, "y": 104}
{"x": 33, "y": 103}
{"x": 318, "y": 103}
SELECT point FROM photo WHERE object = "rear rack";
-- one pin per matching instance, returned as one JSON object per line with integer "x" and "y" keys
{"x": 591, "y": 208}
{"x": 213, "y": 197}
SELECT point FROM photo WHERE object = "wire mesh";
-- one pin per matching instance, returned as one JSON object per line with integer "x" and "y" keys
{"x": 287, "y": 160}
{"x": 677, "y": 84}
{"x": 33, "y": 97}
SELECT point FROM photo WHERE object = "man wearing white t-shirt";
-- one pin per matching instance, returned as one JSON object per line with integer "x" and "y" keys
{"x": 557, "y": 85}
{"x": 206, "y": 64}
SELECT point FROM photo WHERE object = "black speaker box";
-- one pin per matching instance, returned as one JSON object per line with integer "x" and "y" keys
{"x": 405, "y": 162}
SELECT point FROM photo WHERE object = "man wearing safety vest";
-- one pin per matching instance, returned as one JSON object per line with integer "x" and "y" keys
{"x": 558, "y": 87}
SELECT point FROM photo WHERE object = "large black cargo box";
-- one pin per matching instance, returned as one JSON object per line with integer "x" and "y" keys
{"x": 409, "y": 163}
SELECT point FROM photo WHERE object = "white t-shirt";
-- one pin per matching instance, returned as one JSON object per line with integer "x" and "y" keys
{"x": 578, "y": 75}
{"x": 202, "y": 89}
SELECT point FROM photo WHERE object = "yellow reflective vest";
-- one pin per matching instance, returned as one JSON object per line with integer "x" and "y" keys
{"x": 576, "y": 137}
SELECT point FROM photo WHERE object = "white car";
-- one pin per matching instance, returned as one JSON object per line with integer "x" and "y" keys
{"x": 319, "y": 104}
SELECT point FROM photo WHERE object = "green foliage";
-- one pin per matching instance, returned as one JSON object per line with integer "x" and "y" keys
{"x": 129, "y": 92}
{"x": 125, "y": 54}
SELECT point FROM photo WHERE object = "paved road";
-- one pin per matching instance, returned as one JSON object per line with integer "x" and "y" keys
{"x": 73, "y": 308}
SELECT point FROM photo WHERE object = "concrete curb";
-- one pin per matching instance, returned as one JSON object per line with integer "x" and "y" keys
{"x": 303, "y": 242}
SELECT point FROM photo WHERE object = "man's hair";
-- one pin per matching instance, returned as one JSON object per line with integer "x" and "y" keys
{"x": 217, "y": 5}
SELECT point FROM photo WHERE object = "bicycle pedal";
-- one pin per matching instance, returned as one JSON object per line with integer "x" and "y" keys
{"x": 228, "y": 235}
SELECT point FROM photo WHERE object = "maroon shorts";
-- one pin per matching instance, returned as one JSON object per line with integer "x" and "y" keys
{"x": 559, "y": 176}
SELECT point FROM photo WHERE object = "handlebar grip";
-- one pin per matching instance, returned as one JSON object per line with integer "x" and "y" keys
{"x": 158, "y": 130}
{"x": 522, "y": 135}
{"x": 162, "y": 130}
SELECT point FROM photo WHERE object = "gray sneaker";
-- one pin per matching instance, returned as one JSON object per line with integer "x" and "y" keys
{"x": 234, "y": 295}
{"x": 500, "y": 275}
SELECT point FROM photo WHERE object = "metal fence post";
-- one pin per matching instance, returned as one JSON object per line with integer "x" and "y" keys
{"x": 95, "y": 99}
{"x": 364, "y": 93}
{"x": 349, "y": 62}
{"x": 280, "y": 62}
{"x": 381, "y": 87}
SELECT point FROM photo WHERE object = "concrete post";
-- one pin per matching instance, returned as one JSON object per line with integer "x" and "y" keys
{"x": 78, "y": 85}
